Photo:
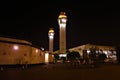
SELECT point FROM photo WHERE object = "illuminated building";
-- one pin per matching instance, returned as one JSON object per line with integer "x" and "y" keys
{"x": 16, "y": 51}
{"x": 109, "y": 51}
{"x": 62, "y": 19}
{"x": 51, "y": 38}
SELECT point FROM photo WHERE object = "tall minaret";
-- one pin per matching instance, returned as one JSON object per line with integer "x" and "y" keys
{"x": 62, "y": 19}
{"x": 51, "y": 37}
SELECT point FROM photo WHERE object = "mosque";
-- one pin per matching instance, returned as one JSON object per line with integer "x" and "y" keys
{"x": 15, "y": 51}
{"x": 109, "y": 51}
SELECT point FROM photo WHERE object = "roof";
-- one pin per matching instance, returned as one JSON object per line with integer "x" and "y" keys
{"x": 12, "y": 40}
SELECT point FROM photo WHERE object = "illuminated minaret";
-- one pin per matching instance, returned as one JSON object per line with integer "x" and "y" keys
{"x": 62, "y": 19}
{"x": 51, "y": 37}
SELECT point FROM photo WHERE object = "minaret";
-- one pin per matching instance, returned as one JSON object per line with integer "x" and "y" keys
{"x": 62, "y": 19}
{"x": 51, "y": 37}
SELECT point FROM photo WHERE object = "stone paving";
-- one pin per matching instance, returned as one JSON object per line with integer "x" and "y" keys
{"x": 62, "y": 71}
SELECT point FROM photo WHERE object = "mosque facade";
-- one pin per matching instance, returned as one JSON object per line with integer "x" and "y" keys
{"x": 15, "y": 51}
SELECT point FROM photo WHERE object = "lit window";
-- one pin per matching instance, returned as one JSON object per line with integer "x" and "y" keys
{"x": 62, "y": 55}
{"x": 46, "y": 57}
{"x": 64, "y": 20}
{"x": 105, "y": 52}
{"x": 51, "y": 37}
{"x": 88, "y": 51}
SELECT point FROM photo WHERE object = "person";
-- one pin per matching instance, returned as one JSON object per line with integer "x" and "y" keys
{"x": 86, "y": 59}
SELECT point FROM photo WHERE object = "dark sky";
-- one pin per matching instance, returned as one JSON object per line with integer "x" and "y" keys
{"x": 88, "y": 22}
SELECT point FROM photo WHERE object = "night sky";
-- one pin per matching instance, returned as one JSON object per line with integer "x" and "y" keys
{"x": 88, "y": 22}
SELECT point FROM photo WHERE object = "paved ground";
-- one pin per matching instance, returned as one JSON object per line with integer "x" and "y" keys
{"x": 62, "y": 72}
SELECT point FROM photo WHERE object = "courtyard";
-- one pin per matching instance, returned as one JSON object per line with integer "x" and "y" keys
{"x": 62, "y": 71}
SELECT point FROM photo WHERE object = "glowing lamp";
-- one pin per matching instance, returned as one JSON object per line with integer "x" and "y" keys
{"x": 15, "y": 47}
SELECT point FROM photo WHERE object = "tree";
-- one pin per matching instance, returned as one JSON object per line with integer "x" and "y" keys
{"x": 118, "y": 53}
{"x": 67, "y": 51}
{"x": 73, "y": 55}
{"x": 102, "y": 57}
{"x": 56, "y": 56}
{"x": 69, "y": 56}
